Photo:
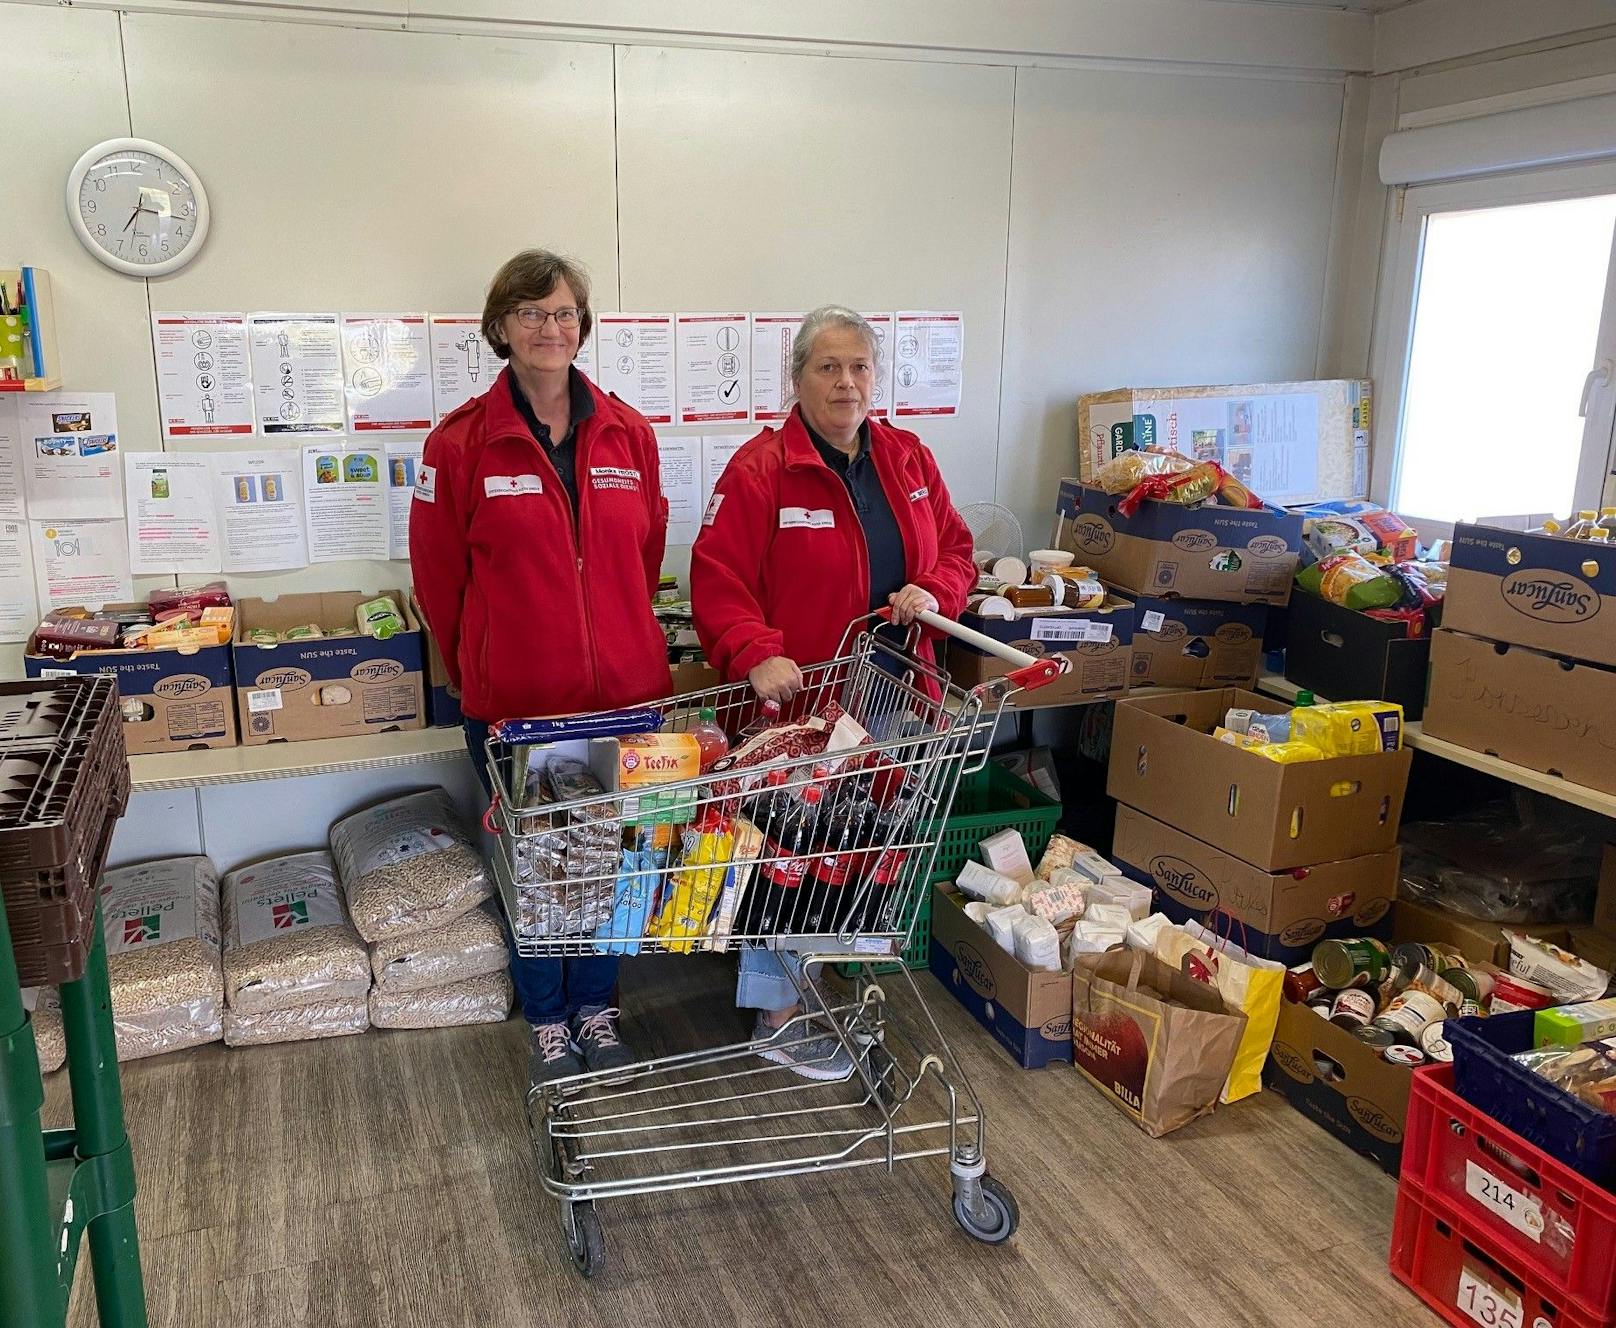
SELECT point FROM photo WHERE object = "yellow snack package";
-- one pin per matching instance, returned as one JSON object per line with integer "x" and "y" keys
{"x": 695, "y": 887}
{"x": 1287, "y": 753}
{"x": 1350, "y": 728}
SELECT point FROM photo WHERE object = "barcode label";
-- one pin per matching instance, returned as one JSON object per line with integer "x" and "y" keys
{"x": 1152, "y": 621}
{"x": 1067, "y": 631}
{"x": 57, "y": 673}
{"x": 267, "y": 699}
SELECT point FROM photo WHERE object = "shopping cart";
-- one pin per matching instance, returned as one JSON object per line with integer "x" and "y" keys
{"x": 817, "y": 838}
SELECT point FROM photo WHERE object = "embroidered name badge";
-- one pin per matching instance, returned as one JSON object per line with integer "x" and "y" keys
{"x": 511, "y": 486}
{"x": 614, "y": 477}
{"x": 426, "y": 484}
{"x": 804, "y": 518}
{"x": 713, "y": 504}
{"x": 922, "y": 492}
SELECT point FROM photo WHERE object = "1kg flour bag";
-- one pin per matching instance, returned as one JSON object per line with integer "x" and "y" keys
{"x": 288, "y": 941}
{"x": 408, "y": 865}
{"x": 161, "y": 925}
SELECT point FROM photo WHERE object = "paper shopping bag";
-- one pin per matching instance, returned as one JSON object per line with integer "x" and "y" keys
{"x": 1252, "y": 986}
{"x": 1158, "y": 1042}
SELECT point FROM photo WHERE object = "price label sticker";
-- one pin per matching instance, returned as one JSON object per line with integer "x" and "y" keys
{"x": 1522, "y": 1211}
{"x": 872, "y": 945}
{"x": 1487, "y": 1304}
{"x": 1152, "y": 621}
{"x": 1059, "y": 630}
{"x": 269, "y": 698}
{"x": 57, "y": 673}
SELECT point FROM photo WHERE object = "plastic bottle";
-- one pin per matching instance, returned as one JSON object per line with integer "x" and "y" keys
{"x": 1549, "y": 527}
{"x": 1607, "y": 519}
{"x": 1303, "y": 698}
{"x": 791, "y": 837}
{"x": 1586, "y": 520}
{"x": 767, "y": 717}
{"x": 710, "y": 737}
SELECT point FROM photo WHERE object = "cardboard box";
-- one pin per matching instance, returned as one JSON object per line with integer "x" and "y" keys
{"x": 1343, "y": 655}
{"x": 1165, "y": 763}
{"x": 1290, "y": 443}
{"x": 1222, "y": 553}
{"x": 1028, "y": 1012}
{"x": 688, "y": 678}
{"x": 1605, "y": 898}
{"x": 1520, "y": 705}
{"x": 1279, "y": 915}
{"x": 329, "y": 688}
{"x": 1196, "y": 643}
{"x": 442, "y": 696}
{"x": 1340, "y": 1083}
{"x": 184, "y": 697}
{"x": 1474, "y": 938}
{"x": 1541, "y": 591}
{"x": 1099, "y": 666}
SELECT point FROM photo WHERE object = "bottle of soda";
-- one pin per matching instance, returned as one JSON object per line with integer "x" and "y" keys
{"x": 790, "y": 835}
{"x": 767, "y": 717}
{"x": 710, "y": 738}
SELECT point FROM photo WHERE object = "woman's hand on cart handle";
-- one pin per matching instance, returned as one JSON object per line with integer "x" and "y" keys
{"x": 908, "y": 603}
{"x": 777, "y": 679}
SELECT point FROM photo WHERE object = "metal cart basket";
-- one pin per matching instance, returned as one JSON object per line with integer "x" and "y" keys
{"x": 815, "y": 835}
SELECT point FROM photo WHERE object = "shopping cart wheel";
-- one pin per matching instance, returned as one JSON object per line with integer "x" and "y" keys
{"x": 993, "y": 1218}
{"x": 585, "y": 1242}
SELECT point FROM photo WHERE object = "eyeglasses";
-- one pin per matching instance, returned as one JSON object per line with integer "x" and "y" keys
{"x": 536, "y": 318}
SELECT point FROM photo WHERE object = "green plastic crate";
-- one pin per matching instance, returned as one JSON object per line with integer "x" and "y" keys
{"x": 988, "y": 801}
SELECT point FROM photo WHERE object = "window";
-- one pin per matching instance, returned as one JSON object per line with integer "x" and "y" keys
{"x": 1501, "y": 386}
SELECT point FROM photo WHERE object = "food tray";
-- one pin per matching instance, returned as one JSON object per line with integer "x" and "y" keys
{"x": 1568, "y": 1130}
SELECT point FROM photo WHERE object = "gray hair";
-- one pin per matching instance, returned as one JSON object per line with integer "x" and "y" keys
{"x": 816, "y": 321}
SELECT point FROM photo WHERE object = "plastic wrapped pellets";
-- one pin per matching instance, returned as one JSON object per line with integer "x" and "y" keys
{"x": 484, "y": 1000}
{"x": 408, "y": 866}
{"x": 301, "y": 1023}
{"x": 46, "y": 1013}
{"x": 288, "y": 941}
{"x": 471, "y": 946}
{"x": 161, "y": 924}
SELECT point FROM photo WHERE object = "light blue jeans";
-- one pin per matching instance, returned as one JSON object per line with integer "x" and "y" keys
{"x": 765, "y": 980}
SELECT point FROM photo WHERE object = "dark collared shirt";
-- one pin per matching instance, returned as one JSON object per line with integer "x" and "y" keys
{"x": 881, "y": 533}
{"x": 563, "y": 455}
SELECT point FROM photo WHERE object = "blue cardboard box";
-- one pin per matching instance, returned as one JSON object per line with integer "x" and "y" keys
{"x": 1196, "y": 642}
{"x": 1224, "y": 553}
{"x": 1028, "y": 1012}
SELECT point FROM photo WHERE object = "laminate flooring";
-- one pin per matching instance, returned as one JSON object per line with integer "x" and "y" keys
{"x": 388, "y": 1179}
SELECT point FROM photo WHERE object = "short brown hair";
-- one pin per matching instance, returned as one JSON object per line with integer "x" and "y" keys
{"x": 532, "y": 275}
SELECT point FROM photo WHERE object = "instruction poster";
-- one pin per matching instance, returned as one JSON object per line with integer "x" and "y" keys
{"x": 81, "y": 562}
{"x": 679, "y": 463}
{"x": 403, "y": 465}
{"x": 297, "y": 373}
{"x": 19, "y": 601}
{"x": 11, "y": 499}
{"x": 70, "y": 455}
{"x": 772, "y": 335}
{"x": 345, "y": 502}
{"x": 387, "y": 366}
{"x": 168, "y": 500}
{"x": 259, "y": 498}
{"x": 881, "y": 393}
{"x": 463, "y": 364}
{"x": 636, "y": 359}
{"x": 927, "y": 364}
{"x": 715, "y": 455}
{"x": 713, "y": 372}
{"x": 584, "y": 360}
{"x": 204, "y": 376}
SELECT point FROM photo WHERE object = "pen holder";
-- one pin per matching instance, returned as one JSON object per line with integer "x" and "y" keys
{"x": 13, "y": 349}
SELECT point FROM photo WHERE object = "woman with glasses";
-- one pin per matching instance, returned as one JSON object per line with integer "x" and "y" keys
{"x": 536, "y": 537}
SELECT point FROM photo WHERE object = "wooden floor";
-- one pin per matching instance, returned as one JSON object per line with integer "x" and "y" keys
{"x": 387, "y": 1179}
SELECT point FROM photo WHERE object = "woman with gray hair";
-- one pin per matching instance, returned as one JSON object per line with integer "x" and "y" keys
{"x": 812, "y": 525}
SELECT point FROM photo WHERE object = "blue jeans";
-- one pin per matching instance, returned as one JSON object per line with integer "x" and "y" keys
{"x": 549, "y": 990}
{"x": 765, "y": 980}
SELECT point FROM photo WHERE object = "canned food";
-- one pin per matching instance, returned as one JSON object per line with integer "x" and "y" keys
{"x": 1484, "y": 984}
{"x": 1463, "y": 981}
{"x": 1511, "y": 993}
{"x": 1359, "y": 962}
{"x": 1434, "y": 1043}
{"x": 1302, "y": 984}
{"x": 1378, "y": 1038}
{"x": 1352, "y": 1008}
{"x": 1410, "y": 1014}
{"x": 1467, "y": 1009}
{"x": 1411, "y": 954}
{"x": 1411, "y": 1057}
{"x": 1422, "y": 977}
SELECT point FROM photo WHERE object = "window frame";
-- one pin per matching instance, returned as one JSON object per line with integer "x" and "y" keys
{"x": 1401, "y": 261}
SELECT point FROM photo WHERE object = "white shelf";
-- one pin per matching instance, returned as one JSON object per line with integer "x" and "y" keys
{"x": 289, "y": 760}
{"x": 1579, "y": 795}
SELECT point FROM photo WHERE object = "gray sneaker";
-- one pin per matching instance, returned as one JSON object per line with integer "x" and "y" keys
{"x": 553, "y": 1057}
{"x": 594, "y": 1034}
{"x": 803, "y": 1050}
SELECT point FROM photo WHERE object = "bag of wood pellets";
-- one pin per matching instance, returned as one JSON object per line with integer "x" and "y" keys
{"x": 287, "y": 940}
{"x": 45, "y": 1011}
{"x": 301, "y": 1023}
{"x": 161, "y": 924}
{"x": 472, "y": 946}
{"x": 484, "y": 1000}
{"x": 408, "y": 865}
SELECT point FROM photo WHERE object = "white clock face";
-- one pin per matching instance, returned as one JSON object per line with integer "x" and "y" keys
{"x": 137, "y": 207}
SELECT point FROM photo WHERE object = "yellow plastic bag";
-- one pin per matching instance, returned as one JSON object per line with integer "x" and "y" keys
{"x": 1350, "y": 728}
{"x": 695, "y": 888}
{"x": 1252, "y": 986}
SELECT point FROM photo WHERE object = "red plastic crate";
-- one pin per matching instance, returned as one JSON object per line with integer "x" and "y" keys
{"x": 1557, "y": 1228}
{"x": 1466, "y": 1279}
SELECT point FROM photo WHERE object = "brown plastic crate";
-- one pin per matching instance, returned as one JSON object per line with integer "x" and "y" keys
{"x": 51, "y": 944}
